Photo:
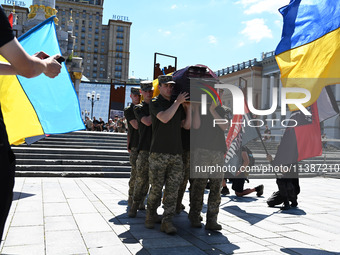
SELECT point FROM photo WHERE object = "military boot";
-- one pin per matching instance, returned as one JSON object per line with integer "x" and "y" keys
{"x": 196, "y": 222}
{"x": 213, "y": 225}
{"x": 133, "y": 210}
{"x": 130, "y": 200}
{"x": 151, "y": 218}
{"x": 168, "y": 228}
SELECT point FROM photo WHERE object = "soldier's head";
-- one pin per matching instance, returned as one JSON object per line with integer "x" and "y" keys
{"x": 147, "y": 90}
{"x": 165, "y": 85}
{"x": 135, "y": 95}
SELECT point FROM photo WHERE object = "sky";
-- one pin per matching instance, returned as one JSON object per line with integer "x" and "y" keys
{"x": 215, "y": 33}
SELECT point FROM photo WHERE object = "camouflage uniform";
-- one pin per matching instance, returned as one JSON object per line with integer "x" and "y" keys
{"x": 206, "y": 157}
{"x": 132, "y": 146}
{"x": 183, "y": 185}
{"x": 166, "y": 164}
{"x": 133, "y": 174}
{"x": 165, "y": 169}
{"x": 142, "y": 179}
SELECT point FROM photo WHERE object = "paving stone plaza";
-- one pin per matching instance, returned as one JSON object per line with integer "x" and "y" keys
{"x": 81, "y": 216}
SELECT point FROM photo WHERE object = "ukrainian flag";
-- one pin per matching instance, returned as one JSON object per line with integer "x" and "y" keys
{"x": 308, "y": 54}
{"x": 40, "y": 105}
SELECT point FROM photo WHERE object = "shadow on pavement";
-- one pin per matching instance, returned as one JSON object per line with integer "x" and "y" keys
{"x": 252, "y": 218}
{"x": 21, "y": 195}
{"x": 293, "y": 251}
{"x": 293, "y": 211}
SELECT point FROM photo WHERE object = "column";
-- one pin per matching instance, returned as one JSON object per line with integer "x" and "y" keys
{"x": 264, "y": 92}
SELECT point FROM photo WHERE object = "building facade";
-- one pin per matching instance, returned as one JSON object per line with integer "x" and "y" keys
{"x": 264, "y": 75}
{"x": 105, "y": 49}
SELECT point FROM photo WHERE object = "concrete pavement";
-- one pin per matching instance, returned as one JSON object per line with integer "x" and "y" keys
{"x": 81, "y": 216}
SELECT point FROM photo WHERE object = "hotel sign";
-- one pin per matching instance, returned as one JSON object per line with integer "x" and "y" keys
{"x": 17, "y": 3}
{"x": 119, "y": 17}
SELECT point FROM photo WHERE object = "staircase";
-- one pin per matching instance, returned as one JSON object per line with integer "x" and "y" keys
{"x": 77, "y": 154}
{"x": 103, "y": 154}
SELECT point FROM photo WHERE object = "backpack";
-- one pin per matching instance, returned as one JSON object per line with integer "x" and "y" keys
{"x": 250, "y": 156}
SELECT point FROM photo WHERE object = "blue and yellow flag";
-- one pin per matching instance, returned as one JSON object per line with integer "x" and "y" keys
{"x": 39, "y": 105}
{"x": 308, "y": 54}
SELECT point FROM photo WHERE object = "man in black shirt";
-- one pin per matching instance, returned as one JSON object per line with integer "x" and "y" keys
{"x": 209, "y": 150}
{"x": 28, "y": 66}
{"x": 142, "y": 114}
{"x": 132, "y": 139}
{"x": 166, "y": 165}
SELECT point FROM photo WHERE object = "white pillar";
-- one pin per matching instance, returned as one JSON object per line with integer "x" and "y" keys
{"x": 279, "y": 93}
{"x": 272, "y": 84}
{"x": 264, "y": 92}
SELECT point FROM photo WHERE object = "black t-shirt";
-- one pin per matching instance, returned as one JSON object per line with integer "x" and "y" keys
{"x": 132, "y": 133}
{"x": 166, "y": 137}
{"x": 210, "y": 137}
{"x": 145, "y": 132}
{"x": 6, "y": 33}
{"x": 185, "y": 139}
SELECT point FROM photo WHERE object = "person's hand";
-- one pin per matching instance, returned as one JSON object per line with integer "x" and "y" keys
{"x": 213, "y": 105}
{"x": 269, "y": 158}
{"x": 41, "y": 55}
{"x": 182, "y": 97}
{"x": 187, "y": 106}
{"x": 52, "y": 66}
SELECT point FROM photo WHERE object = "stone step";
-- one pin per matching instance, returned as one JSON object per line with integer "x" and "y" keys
{"x": 83, "y": 151}
{"x": 77, "y": 162}
{"x": 22, "y": 173}
{"x": 98, "y": 146}
{"x": 73, "y": 168}
{"x": 71, "y": 156}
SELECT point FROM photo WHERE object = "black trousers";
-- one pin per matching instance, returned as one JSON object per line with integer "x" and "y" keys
{"x": 7, "y": 174}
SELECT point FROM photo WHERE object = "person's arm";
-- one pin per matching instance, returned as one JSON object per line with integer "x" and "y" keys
{"x": 196, "y": 118}
{"x": 245, "y": 163}
{"x": 165, "y": 116}
{"x": 25, "y": 65}
{"x": 186, "y": 123}
{"x": 134, "y": 123}
{"x": 146, "y": 120}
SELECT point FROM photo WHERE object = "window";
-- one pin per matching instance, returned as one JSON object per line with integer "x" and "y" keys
{"x": 119, "y": 48}
{"x": 90, "y": 23}
{"x": 120, "y": 35}
{"x": 89, "y": 41}
{"x": 89, "y": 48}
{"x": 119, "y": 55}
{"x": 94, "y": 75}
{"x": 89, "y": 35}
{"x": 82, "y": 41}
{"x": 77, "y": 21}
{"x": 118, "y": 68}
{"x": 120, "y": 29}
{"x": 76, "y": 27}
{"x": 97, "y": 31}
{"x": 102, "y": 50}
{"x": 96, "y": 43}
{"x": 76, "y": 34}
{"x": 82, "y": 48}
{"x": 118, "y": 74}
{"x": 95, "y": 50}
{"x": 90, "y": 29}
{"x": 103, "y": 44}
{"x": 96, "y": 37}
{"x": 118, "y": 61}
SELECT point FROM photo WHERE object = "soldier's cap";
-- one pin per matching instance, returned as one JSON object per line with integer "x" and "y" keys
{"x": 146, "y": 85}
{"x": 135, "y": 91}
{"x": 165, "y": 79}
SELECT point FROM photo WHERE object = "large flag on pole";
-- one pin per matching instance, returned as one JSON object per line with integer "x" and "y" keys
{"x": 41, "y": 105}
{"x": 304, "y": 140}
{"x": 308, "y": 54}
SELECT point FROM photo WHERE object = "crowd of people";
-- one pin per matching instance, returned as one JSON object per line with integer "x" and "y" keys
{"x": 160, "y": 152}
{"x": 113, "y": 125}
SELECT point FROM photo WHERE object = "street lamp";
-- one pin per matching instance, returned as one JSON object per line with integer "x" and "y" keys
{"x": 91, "y": 97}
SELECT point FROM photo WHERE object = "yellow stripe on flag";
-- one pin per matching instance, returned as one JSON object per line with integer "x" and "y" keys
{"x": 311, "y": 66}
{"x": 18, "y": 113}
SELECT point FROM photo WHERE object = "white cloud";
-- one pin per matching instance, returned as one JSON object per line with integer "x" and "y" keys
{"x": 256, "y": 30}
{"x": 164, "y": 33}
{"x": 174, "y": 7}
{"x": 260, "y": 6}
{"x": 212, "y": 39}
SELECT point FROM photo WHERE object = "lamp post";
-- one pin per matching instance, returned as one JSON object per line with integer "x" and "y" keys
{"x": 91, "y": 97}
